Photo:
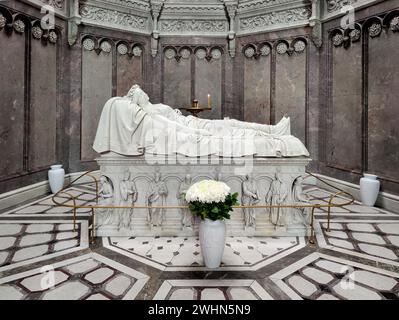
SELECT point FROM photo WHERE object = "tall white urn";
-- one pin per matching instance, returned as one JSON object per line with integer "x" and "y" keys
{"x": 56, "y": 176}
{"x": 212, "y": 235}
{"x": 369, "y": 188}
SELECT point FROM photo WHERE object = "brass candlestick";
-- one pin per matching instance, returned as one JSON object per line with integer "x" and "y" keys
{"x": 195, "y": 104}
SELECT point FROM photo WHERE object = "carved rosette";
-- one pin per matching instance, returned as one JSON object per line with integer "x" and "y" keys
{"x": 137, "y": 51}
{"x": 37, "y": 32}
{"x": 338, "y": 40}
{"x": 3, "y": 21}
{"x": 106, "y": 46}
{"x": 282, "y": 48}
{"x": 355, "y": 35}
{"x": 52, "y": 37}
{"x": 122, "y": 49}
{"x": 249, "y": 52}
{"x": 216, "y": 53}
{"x": 200, "y": 53}
{"x": 88, "y": 44}
{"x": 170, "y": 53}
{"x": 185, "y": 53}
{"x": 375, "y": 30}
{"x": 265, "y": 50}
{"x": 299, "y": 46}
{"x": 19, "y": 26}
{"x": 394, "y": 24}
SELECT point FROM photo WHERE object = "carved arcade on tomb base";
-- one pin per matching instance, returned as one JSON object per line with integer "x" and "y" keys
{"x": 161, "y": 182}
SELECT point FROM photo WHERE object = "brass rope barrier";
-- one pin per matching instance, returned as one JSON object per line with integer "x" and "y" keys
{"x": 311, "y": 240}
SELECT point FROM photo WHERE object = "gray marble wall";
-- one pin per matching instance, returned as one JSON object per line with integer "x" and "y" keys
{"x": 359, "y": 132}
{"x": 342, "y": 99}
{"x": 33, "y": 106}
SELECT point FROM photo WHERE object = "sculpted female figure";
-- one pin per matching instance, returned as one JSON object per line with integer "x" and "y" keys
{"x": 250, "y": 197}
{"x": 106, "y": 216}
{"x": 156, "y": 196}
{"x": 128, "y": 193}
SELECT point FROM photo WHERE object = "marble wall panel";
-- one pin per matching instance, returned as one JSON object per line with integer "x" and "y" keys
{"x": 346, "y": 109}
{"x": 257, "y": 89}
{"x": 177, "y": 82}
{"x": 383, "y": 97}
{"x": 96, "y": 90}
{"x": 12, "y": 103}
{"x": 129, "y": 72}
{"x": 290, "y": 93}
{"x": 208, "y": 80}
{"x": 43, "y": 106}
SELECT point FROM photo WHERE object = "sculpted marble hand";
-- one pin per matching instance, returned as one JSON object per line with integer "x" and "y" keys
{"x": 132, "y": 125}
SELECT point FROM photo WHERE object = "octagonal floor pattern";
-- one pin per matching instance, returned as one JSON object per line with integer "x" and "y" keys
{"x": 41, "y": 257}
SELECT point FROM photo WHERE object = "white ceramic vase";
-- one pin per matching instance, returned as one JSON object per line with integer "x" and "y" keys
{"x": 212, "y": 235}
{"x": 369, "y": 188}
{"x": 56, "y": 176}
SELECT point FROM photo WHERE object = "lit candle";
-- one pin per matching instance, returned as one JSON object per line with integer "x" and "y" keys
{"x": 209, "y": 101}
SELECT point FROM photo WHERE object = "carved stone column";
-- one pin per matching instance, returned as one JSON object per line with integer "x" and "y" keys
{"x": 315, "y": 23}
{"x": 73, "y": 21}
{"x": 231, "y": 7}
{"x": 156, "y": 7}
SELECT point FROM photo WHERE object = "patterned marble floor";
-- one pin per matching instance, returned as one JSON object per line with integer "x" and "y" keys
{"x": 41, "y": 257}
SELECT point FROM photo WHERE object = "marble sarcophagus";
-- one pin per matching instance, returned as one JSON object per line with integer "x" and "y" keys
{"x": 151, "y": 154}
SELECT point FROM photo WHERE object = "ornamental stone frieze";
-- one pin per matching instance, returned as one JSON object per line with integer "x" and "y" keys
{"x": 58, "y": 4}
{"x": 108, "y": 17}
{"x": 286, "y": 17}
{"x": 340, "y": 7}
{"x": 281, "y": 47}
{"x": 203, "y": 26}
{"x": 373, "y": 27}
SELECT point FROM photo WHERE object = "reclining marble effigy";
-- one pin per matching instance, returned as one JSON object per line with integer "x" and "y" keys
{"x": 131, "y": 124}
{"x": 132, "y": 131}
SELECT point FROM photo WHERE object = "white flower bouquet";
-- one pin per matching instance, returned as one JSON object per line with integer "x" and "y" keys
{"x": 210, "y": 199}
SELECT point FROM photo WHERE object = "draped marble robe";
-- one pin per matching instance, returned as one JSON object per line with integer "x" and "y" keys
{"x": 132, "y": 125}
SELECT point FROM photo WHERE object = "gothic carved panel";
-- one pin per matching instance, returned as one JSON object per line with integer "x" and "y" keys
{"x": 275, "y": 18}
{"x": 113, "y": 17}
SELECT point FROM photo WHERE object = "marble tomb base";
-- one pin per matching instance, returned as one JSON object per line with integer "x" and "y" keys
{"x": 159, "y": 181}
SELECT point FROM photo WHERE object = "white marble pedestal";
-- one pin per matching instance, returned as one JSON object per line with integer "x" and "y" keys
{"x": 131, "y": 180}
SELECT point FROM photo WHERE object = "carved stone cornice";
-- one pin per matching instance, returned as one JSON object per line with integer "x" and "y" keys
{"x": 113, "y": 18}
{"x": 249, "y": 5}
{"x": 178, "y": 26}
{"x": 58, "y": 4}
{"x": 286, "y": 17}
{"x": 336, "y": 5}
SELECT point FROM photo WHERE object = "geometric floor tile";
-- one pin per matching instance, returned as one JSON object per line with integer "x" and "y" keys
{"x": 29, "y": 241}
{"x": 184, "y": 253}
{"x": 46, "y": 207}
{"x": 323, "y": 277}
{"x": 90, "y": 276}
{"x": 211, "y": 290}
{"x": 320, "y": 196}
{"x": 372, "y": 239}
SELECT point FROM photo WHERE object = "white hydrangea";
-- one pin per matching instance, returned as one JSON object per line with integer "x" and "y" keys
{"x": 208, "y": 191}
